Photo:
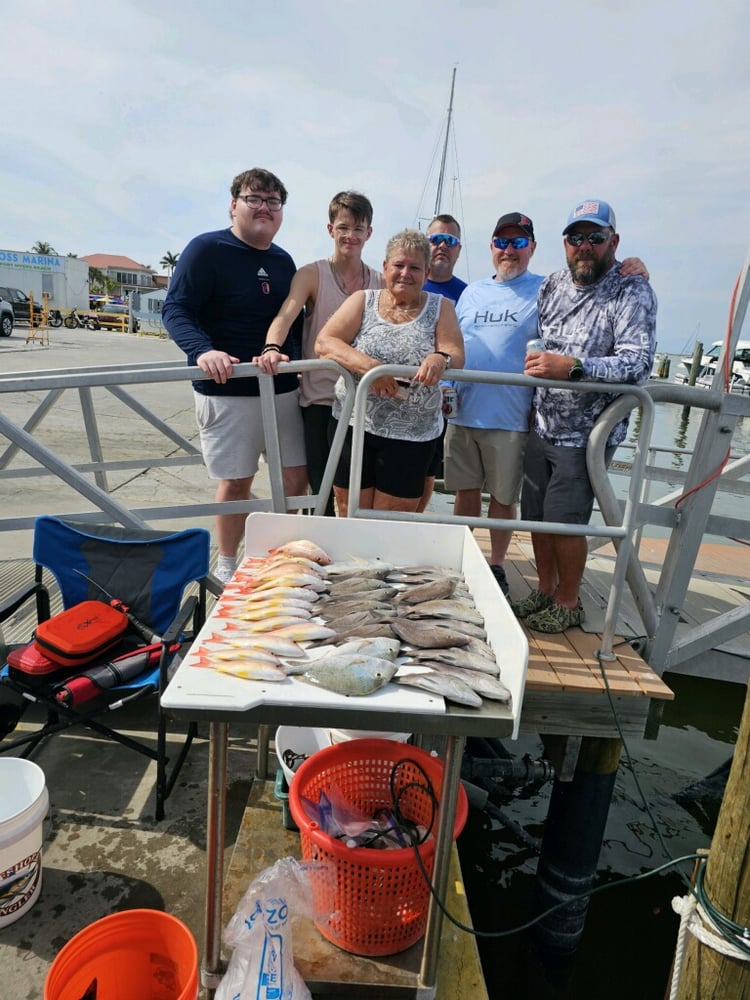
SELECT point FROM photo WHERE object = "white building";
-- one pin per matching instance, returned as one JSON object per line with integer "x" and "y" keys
{"x": 64, "y": 279}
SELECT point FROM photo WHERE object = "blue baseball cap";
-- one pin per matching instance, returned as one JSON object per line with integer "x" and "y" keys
{"x": 592, "y": 210}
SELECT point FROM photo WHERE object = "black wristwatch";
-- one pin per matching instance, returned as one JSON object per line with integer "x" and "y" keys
{"x": 447, "y": 357}
{"x": 576, "y": 372}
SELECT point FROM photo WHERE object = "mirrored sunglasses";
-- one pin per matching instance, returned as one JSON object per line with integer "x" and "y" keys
{"x": 594, "y": 239}
{"x": 517, "y": 242}
{"x": 437, "y": 238}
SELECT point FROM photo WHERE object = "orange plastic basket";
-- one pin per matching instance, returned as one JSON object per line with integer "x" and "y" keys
{"x": 379, "y": 903}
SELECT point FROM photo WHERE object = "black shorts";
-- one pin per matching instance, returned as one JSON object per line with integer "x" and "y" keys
{"x": 435, "y": 467}
{"x": 389, "y": 465}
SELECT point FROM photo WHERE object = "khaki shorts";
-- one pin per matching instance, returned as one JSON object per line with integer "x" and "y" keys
{"x": 480, "y": 459}
{"x": 232, "y": 436}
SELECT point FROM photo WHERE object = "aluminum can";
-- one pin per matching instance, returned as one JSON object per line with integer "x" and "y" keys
{"x": 450, "y": 401}
{"x": 536, "y": 344}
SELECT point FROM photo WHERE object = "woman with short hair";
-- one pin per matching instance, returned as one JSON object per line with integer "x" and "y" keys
{"x": 398, "y": 325}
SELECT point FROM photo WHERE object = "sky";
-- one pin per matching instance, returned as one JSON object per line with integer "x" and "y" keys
{"x": 126, "y": 122}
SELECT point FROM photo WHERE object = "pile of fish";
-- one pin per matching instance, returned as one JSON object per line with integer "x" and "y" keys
{"x": 352, "y": 627}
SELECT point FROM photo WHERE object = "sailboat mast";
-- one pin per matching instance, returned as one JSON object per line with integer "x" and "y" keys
{"x": 441, "y": 176}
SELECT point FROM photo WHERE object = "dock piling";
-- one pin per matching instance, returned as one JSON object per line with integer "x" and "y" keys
{"x": 571, "y": 846}
{"x": 707, "y": 974}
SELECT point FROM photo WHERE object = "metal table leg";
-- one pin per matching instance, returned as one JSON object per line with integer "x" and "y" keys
{"x": 216, "y": 821}
{"x": 444, "y": 840}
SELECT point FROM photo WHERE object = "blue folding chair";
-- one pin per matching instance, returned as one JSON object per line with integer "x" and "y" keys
{"x": 147, "y": 572}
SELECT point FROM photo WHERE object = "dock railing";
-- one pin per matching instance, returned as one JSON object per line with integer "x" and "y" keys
{"x": 623, "y": 520}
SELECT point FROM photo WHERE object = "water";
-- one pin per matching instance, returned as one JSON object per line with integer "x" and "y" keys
{"x": 630, "y": 933}
{"x": 629, "y": 939}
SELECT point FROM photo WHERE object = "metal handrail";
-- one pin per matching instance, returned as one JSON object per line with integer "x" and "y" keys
{"x": 621, "y": 526}
{"x": 635, "y": 395}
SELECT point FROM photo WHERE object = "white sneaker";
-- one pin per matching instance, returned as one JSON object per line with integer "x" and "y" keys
{"x": 224, "y": 573}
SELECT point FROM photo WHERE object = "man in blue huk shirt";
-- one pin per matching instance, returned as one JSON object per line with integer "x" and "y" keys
{"x": 485, "y": 440}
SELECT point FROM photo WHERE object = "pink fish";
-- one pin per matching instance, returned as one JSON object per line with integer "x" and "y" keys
{"x": 259, "y": 640}
{"x": 248, "y": 670}
{"x": 303, "y": 547}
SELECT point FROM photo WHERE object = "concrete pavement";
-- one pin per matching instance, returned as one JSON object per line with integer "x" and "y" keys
{"x": 103, "y": 851}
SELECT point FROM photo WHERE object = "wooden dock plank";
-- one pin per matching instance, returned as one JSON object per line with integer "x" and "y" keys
{"x": 567, "y": 663}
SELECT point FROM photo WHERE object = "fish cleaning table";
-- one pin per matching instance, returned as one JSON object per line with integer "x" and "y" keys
{"x": 197, "y": 693}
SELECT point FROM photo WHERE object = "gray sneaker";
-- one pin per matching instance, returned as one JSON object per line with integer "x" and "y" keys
{"x": 529, "y": 605}
{"x": 556, "y": 618}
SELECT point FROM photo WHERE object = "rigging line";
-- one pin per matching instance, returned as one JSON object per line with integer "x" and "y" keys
{"x": 429, "y": 175}
{"x": 461, "y": 207}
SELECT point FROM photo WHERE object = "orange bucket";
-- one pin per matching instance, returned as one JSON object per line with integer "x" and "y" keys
{"x": 146, "y": 954}
{"x": 379, "y": 904}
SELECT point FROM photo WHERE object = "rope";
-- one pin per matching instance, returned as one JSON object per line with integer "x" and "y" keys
{"x": 694, "y": 920}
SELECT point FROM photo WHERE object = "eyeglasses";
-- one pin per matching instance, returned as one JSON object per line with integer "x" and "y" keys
{"x": 437, "y": 238}
{"x": 255, "y": 201}
{"x": 517, "y": 242}
{"x": 595, "y": 239}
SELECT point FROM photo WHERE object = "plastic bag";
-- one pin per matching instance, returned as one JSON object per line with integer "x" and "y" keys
{"x": 260, "y": 932}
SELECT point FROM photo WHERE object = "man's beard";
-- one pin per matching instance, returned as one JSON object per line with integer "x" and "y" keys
{"x": 588, "y": 270}
{"x": 508, "y": 270}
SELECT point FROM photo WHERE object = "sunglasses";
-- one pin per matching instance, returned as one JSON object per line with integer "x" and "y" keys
{"x": 437, "y": 238}
{"x": 503, "y": 242}
{"x": 595, "y": 239}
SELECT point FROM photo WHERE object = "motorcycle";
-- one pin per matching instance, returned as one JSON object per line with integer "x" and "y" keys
{"x": 73, "y": 321}
{"x": 55, "y": 317}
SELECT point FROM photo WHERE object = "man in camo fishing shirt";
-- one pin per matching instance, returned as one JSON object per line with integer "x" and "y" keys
{"x": 599, "y": 326}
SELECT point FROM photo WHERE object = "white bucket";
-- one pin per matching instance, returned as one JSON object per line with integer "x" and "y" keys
{"x": 24, "y": 802}
{"x": 299, "y": 740}
{"x": 344, "y": 735}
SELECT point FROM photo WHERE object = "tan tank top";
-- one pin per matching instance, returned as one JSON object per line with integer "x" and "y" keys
{"x": 317, "y": 387}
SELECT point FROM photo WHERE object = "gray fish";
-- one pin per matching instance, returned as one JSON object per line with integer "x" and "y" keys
{"x": 454, "y": 610}
{"x": 468, "y": 629}
{"x": 379, "y": 631}
{"x": 354, "y": 675}
{"x": 458, "y": 657}
{"x": 427, "y": 634}
{"x": 340, "y": 609}
{"x": 481, "y": 648}
{"x": 355, "y": 618}
{"x": 484, "y": 684}
{"x": 451, "y": 688}
{"x": 418, "y": 575}
{"x": 353, "y": 586}
{"x": 383, "y": 648}
{"x": 435, "y": 590}
{"x": 359, "y": 568}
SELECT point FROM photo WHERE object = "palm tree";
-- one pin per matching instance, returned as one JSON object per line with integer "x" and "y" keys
{"x": 100, "y": 284}
{"x": 169, "y": 263}
{"x": 44, "y": 249}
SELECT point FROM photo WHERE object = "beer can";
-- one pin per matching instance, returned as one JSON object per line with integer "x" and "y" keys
{"x": 536, "y": 344}
{"x": 450, "y": 401}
